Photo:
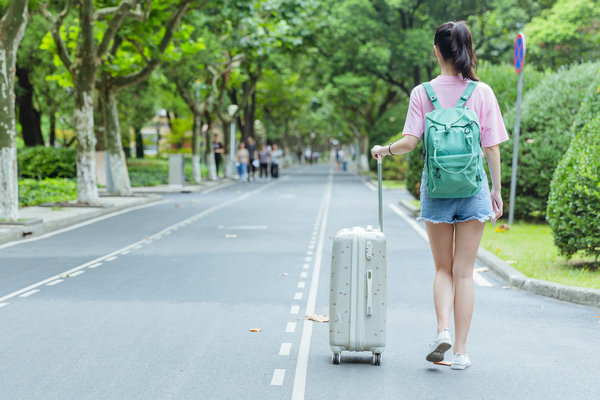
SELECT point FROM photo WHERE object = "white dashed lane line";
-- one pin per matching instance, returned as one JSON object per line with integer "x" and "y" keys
{"x": 290, "y": 327}
{"x": 294, "y": 310}
{"x": 3, "y": 304}
{"x": 278, "y": 376}
{"x": 298, "y": 296}
{"x": 301, "y": 285}
{"x": 55, "y": 282}
{"x": 96, "y": 265}
{"x": 285, "y": 349}
{"x": 27, "y": 294}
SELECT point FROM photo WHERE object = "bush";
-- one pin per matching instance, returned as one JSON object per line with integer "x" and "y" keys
{"x": 414, "y": 170}
{"x": 547, "y": 117}
{"x": 153, "y": 172}
{"x": 33, "y": 191}
{"x": 47, "y": 162}
{"x": 574, "y": 202}
{"x": 394, "y": 168}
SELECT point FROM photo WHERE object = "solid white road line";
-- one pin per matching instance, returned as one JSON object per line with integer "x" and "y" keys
{"x": 290, "y": 327}
{"x": 95, "y": 265}
{"x": 370, "y": 186}
{"x": 74, "y": 274}
{"x": 278, "y": 376}
{"x": 285, "y": 349}
{"x": 55, "y": 282}
{"x": 480, "y": 280}
{"x": 113, "y": 258}
{"x": 139, "y": 243}
{"x": 81, "y": 224}
{"x": 125, "y": 252}
{"x": 411, "y": 222}
{"x": 298, "y": 296}
{"x": 302, "y": 361}
{"x": 27, "y": 294}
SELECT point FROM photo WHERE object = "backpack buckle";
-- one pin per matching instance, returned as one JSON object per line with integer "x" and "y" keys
{"x": 448, "y": 126}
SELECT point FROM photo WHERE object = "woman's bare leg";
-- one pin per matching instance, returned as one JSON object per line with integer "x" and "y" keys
{"x": 441, "y": 240}
{"x": 467, "y": 238}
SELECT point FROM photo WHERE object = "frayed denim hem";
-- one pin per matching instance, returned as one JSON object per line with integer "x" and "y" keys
{"x": 490, "y": 218}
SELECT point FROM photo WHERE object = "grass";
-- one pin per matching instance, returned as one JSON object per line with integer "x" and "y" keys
{"x": 49, "y": 190}
{"x": 530, "y": 249}
{"x": 388, "y": 184}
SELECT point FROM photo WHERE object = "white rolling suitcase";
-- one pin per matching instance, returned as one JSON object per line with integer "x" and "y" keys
{"x": 358, "y": 289}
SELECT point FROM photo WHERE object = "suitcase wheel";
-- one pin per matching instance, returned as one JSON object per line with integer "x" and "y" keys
{"x": 336, "y": 358}
{"x": 377, "y": 359}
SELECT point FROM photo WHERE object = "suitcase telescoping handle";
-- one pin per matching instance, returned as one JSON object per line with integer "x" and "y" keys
{"x": 379, "y": 191}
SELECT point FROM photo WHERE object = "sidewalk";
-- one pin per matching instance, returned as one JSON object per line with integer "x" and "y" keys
{"x": 47, "y": 219}
{"x": 516, "y": 279}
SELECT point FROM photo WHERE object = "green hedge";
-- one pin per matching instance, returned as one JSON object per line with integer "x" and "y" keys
{"x": 47, "y": 162}
{"x": 34, "y": 191}
{"x": 153, "y": 172}
{"x": 574, "y": 201}
{"x": 547, "y": 117}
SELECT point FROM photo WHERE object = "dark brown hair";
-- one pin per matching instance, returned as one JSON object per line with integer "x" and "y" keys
{"x": 453, "y": 39}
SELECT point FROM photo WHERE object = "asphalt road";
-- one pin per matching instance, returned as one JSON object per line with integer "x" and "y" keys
{"x": 158, "y": 303}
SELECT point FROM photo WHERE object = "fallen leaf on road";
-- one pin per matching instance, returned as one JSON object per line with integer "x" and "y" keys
{"x": 179, "y": 206}
{"x": 146, "y": 237}
{"x": 283, "y": 274}
{"x": 256, "y": 330}
{"x": 317, "y": 317}
{"x": 482, "y": 269}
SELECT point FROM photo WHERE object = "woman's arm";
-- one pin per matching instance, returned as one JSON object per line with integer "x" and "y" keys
{"x": 492, "y": 154}
{"x": 402, "y": 146}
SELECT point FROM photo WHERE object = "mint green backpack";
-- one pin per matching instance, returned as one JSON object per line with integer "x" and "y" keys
{"x": 452, "y": 151}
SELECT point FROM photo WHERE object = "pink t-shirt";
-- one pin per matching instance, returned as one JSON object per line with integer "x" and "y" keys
{"x": 448, "y": 90}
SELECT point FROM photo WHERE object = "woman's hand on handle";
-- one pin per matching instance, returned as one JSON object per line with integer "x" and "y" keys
{"x": 497, "y": 205}
{"x": 377, "y": 151}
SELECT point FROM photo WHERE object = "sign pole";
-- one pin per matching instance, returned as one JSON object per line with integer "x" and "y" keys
{"x": 519, "y": 61}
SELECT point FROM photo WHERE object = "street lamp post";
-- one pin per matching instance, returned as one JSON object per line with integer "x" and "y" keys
{"x": 232, "y": 109}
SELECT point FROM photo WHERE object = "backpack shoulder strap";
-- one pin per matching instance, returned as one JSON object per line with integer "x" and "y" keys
{"x": 466, "y": 94}
{"x": 432, "y": 96}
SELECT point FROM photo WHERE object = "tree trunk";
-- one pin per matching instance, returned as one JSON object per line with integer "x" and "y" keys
{"x": 52, "y": 129}
{"x": 83, "y": 122}
{"x": 363, "y": 149}
{"x": 196, "y": 148}
{"x": 113, "y": 143}
{"x": 29, "y": 117}
{"x": 12, "y": 29}
{"x": 210, "y": 155}
{"x": 139, "y": 142}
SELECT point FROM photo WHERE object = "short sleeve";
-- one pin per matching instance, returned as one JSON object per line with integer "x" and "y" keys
{"x": 415, "y": 117}
{"x": 493, "y": 131}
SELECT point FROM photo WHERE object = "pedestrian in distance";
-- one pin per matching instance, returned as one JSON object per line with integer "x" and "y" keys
{"x": 454, "y": 114}
{"x": 218, "y": 150}
{"x": 263, "y": 159}
{"x": 253, "y": 158}
{"x": 275, "y": 155}
{"x": 242, "y": 158}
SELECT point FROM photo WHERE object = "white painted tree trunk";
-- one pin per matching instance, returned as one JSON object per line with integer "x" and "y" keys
{"x": 112, "y": 135}
{"x": 212, "y": 168}
{"x": 196, "y": 168}
{"x": 12, "y": 29}
{"x": 83, "y": 122}
{"x": 9, "y": 196}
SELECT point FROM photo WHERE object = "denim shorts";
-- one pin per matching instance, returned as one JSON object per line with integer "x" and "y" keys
{"x": 453, "y": 211}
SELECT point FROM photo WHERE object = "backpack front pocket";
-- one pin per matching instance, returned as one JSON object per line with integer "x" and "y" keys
{"x": 453, "y": 176}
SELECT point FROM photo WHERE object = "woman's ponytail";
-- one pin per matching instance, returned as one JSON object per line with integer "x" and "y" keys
{"x": 454, "y": 42}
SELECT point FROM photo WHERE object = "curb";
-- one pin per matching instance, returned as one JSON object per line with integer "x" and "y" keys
{"x": 516, "y": 279}
{"x": 21, "y": 232}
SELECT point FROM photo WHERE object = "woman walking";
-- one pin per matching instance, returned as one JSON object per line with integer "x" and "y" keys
{"x": 242, "y": 158}
{"x": 454, "y": 224}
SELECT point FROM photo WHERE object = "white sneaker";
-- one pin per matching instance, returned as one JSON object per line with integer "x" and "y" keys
{"x": 460, "y": 361}
{"x": 441, "y": 344}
